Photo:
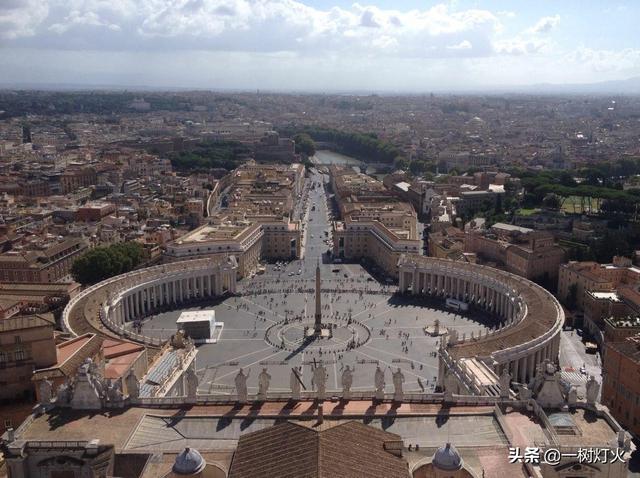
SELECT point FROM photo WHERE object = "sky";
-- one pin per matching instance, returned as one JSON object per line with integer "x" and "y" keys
{"x": 318, "y": 45}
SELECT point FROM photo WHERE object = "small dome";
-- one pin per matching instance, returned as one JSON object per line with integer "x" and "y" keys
{"x": 447, "y": 458}
{"x": 189, "y": 462}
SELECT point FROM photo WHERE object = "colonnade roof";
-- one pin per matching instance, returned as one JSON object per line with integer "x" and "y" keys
{"x": 544, "y": 313}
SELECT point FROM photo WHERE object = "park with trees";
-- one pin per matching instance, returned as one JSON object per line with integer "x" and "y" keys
{"x": 103, "y": 262}
{"x": 366, "y": 147}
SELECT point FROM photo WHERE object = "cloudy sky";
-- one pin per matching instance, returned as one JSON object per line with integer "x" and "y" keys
{"x": 318, "y": 45}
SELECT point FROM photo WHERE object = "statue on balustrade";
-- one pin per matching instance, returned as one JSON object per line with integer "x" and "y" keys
{"x": 347, "y": 382}
{"x": 505, "y": 383}
{"x": 593, "y": 389}
{"x": 296, "y": 383}
{"x": 191, "y": 383}
{"x": 45, "y": 391}
{"x": 241, "y": 385}
{"x": 379, "y": 383}
{"x": 132, "y": 383}
{"x": 264, "y": 379}
{"x": 320, "y": 381}
{"x": 398, "y": 380}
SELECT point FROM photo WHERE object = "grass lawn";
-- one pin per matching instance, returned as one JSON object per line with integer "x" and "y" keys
{"x": 527, "y": 212}
{"x": 572, "y": 205}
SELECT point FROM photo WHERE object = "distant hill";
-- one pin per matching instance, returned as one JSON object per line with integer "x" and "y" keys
{"x": 630, "y": 86}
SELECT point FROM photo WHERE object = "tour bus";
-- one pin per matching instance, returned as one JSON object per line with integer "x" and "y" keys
{"x": 457, "y": 305}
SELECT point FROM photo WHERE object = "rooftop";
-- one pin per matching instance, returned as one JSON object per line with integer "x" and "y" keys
{"x": 196, "y": 316}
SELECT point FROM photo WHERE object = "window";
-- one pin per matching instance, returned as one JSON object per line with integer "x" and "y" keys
{"x": 18, "y": 339}
{"x": 19, "y": 355}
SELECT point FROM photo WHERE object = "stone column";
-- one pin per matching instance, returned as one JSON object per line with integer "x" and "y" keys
{"x": 136, "y": 304}
{"x": 515, "y": 369}
{"x": 523, "y": 370}
{"x": 125, "y": 302}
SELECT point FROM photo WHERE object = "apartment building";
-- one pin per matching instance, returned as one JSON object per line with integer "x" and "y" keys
{"x": 621, "y": 387}
{"x": 26, "y": 343}
{"x": 49, "y": 261}
{"x": 522, "y": 251}
{"x": 620, "y": 276}
{"x": 375, "y": 224}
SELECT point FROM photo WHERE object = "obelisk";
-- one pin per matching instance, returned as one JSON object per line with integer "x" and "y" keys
{"x": 318, "y": 318}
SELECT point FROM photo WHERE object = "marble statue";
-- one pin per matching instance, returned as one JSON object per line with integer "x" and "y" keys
{"x": 132, "y": 383}
{"x": 505, "y": 383}
{"x": 572, "y": 397}
{"x": 114, "y": 394}
{"x": 524, "y": 393}
{"x": 453, "y": 336}
{"x": 294, "y": 382}
{"x": 264, "y": 379}
{"x": 347, "y": 381}
{"x": 191, "y": 383}
{"x": 320, "y": 381}
{"x": 593, "y": 389}
{"x": 177, "y": 340}
{"x": 92, "y": 369}
{"x": 45, "y": 388}
{"x": 379, "y": 383}
{"x": 538, "y": 378}
{"x": 63, "y": 394}
{"x": 450, "y": 384}
{"x": 88, "y": 391}
{"x": 398, "y": 380}
{"x": 241, "y": 385}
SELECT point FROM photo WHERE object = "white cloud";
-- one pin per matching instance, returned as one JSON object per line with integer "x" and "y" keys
{"x": 77, "y": 18}
{"x": 545, "y": 24}
{"x": 521, "y": 46}
{"x": 20, "y": 18}
{"x": 625, "y": 61}
{"x": 260, "y": 25}
{"x": 463, "y": 45}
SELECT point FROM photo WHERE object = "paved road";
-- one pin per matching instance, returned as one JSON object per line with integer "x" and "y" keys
{"x": 573, "y": 358}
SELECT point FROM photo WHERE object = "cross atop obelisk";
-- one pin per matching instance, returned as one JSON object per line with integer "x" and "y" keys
{"x": 318, "y": 317}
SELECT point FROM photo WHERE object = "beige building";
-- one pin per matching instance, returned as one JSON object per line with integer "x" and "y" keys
{"x": 241, "y": 240}
{"x": 375, "y": 225}
{"x": 447, "y": 243}
{"x": 372, "y": 240}
{"x": 48, "y": 263}
{"x": 621, "y": 275}
{"x": 26, "y": 343}
{"x": 522, "y": 251}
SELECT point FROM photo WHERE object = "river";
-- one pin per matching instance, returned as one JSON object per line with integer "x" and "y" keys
{"x": 325, "y": 156}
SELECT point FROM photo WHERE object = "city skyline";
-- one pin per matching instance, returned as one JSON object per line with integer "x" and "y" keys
{"x": 288, "y": 45}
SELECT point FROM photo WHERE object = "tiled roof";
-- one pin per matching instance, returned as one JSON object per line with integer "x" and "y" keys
{"x": 20, "y": 322}
{"x": 290, "y": 450}
{"x": 71, "y": 354}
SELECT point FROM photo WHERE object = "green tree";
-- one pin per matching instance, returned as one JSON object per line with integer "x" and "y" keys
{"x": 572, "y": 297}
{"x": 552, "y": 201}
{"x": 401, "y": 162}
{"x": 304, "y": 144}
{"x": 101, "y": 263}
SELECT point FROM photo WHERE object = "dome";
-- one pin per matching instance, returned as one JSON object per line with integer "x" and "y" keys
{"x": 446, "y": 458}
{"x": 189, "y": 462}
